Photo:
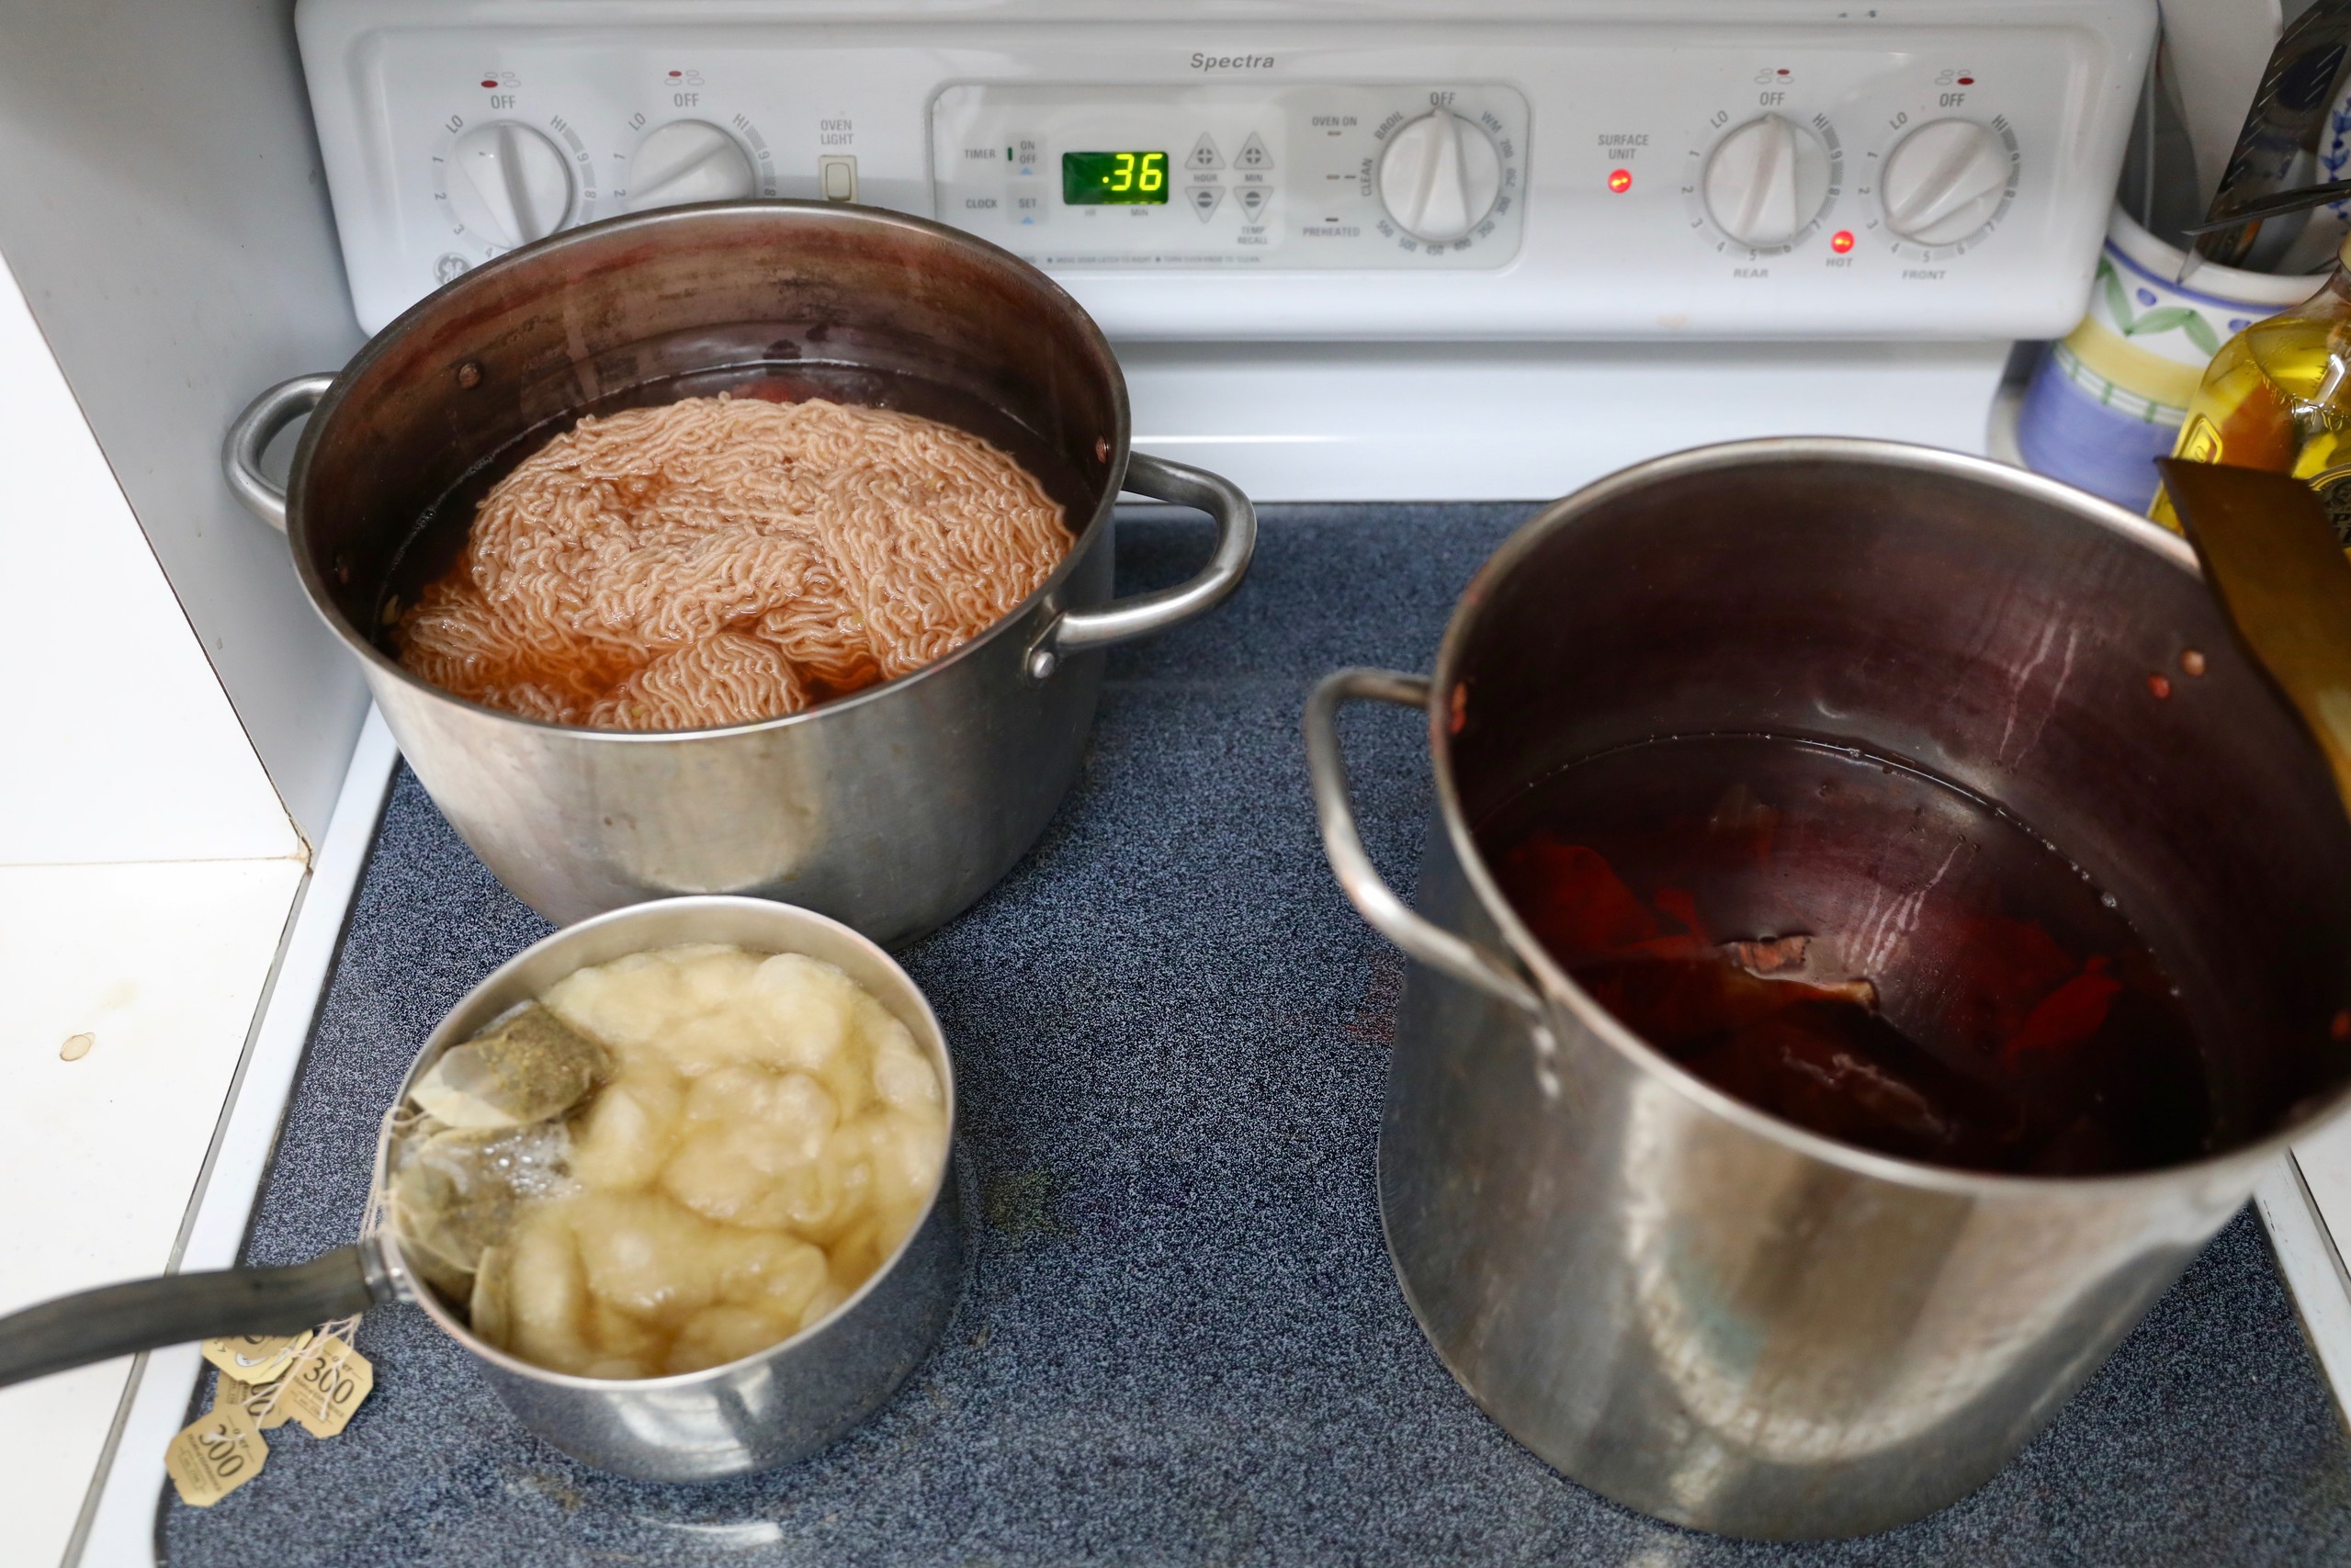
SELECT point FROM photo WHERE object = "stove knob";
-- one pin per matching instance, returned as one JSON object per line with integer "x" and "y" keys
{"x": 688, "y": 160}
{"x": 1944, "y": 180}
{"x": 1439, "y": 177}
{"x": 1766, "y": 180}
{"x": 509, "y": 185}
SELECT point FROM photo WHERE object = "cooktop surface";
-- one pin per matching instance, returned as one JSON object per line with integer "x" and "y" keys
{"x": 1181, "y": 1340}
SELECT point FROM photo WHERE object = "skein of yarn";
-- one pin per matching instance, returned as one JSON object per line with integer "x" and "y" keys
{"x": 720, "y": 560}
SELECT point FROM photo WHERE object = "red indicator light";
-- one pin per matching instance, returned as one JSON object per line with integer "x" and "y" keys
{"x": 1783, "y": 71}
{"x": 677, "y": 73}
{"x": 489, "y": 81}
{"x": 1619, "y": 180}
{"x": 1967, "y": 81}
{"x": 1841, "y": 242}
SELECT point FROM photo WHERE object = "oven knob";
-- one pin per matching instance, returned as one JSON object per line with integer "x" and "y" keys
{"x": 688, "y": 160}
{"x": 1944, "y": 181}
{"x": 509, "y": 184}
{"x": 1439, "y": 177}
{"x": 1766, "y": 181}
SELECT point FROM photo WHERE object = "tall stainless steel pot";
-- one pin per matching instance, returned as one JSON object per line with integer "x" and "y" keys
{"x": 1705, "y": 1312}
{"x": 892, "y": 810}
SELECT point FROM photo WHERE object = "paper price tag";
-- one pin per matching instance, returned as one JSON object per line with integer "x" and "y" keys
{"x": 258, "y": 1400}
{"x": 256, "y": 1358}
{"x": 271, "y": 1408}
{"x": 215, "y": 1454}
{"x": 326, "y": 1386}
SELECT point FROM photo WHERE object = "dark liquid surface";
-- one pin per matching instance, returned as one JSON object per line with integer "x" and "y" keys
{"x": 1860, "y": 949}
{"x": 434, "y": 547}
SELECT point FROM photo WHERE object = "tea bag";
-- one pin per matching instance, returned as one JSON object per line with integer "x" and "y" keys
{"x": 529, "y": 1066}
{"x": 456, "y": 1191}
{"x": 486, "y": 1310}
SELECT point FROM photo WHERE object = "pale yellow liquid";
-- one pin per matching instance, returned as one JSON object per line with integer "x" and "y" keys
{"x": 2278, "y": 397}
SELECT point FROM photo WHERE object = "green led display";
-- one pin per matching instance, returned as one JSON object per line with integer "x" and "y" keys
{"x": 1115, "y": 179}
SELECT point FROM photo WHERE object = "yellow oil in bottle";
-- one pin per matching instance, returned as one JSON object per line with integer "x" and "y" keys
{"x": 2277, "y": 396}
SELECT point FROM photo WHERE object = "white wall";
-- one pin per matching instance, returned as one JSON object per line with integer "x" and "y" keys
{"x": 148, "y": 870}
{"x": 166, "y": 251}
{"x": 163, "y": 210}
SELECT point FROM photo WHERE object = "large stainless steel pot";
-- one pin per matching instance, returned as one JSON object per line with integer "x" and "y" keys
{"x": 892, "y": 810}
{"x": 766, "y": 1409}
{"x": 1699, "y": 1310}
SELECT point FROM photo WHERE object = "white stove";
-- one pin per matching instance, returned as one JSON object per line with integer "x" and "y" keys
{"x": 1348, "y": 250}
{"x": 1592, "y": 168}
{"x": 1750, "y": 200}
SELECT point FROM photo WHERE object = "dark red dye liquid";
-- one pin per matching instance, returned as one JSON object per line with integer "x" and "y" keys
{"x": 1863, "y": 949}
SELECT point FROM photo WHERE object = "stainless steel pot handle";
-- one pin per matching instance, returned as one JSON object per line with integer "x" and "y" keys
{"x": 1421, "y": 938}
{"x": 255, "y": 429}
{"x": 145, "y": 1314}
{"x": 1078, "y": 630}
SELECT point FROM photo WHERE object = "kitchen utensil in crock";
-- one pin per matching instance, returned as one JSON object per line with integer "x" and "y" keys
{"x": 2277, "y": 566}
{"x": 1701, "y": 1311}
{"x": 779, "y": 1404}
{"x": 891, "y": 809}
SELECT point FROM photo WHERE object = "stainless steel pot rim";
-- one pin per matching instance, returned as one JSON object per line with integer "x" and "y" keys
{"x": 323, "y": 600}
{"x": 1562, "y": 990}
{"x": 413, "y": 1289}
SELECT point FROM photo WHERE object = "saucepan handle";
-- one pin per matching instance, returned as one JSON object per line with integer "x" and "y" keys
{"x": 1419, "y": 937}
{"x": 1146, "y": 614}
{"x": 255, "y": 429}
{"x": 115, "y": 1320}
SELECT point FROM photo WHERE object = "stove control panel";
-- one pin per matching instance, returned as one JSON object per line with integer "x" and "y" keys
{"x": 1639, "y": 169}
{"x": 1416, "y": 176}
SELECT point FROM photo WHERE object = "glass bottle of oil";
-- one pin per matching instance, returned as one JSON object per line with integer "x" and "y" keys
{"x": 2277, "y": 396}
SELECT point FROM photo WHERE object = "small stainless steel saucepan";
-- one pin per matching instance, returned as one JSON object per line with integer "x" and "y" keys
{"x": 767, "y": 1409}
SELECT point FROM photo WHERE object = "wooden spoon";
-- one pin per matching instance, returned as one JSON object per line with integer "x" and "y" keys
{"x": 2271, "y": 555}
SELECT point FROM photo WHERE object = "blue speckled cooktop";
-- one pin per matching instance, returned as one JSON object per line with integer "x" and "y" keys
{"x": 1181, "y": 1342}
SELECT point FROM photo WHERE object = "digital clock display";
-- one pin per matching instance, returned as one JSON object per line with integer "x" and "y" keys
{"x": 1115, "y": 179}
